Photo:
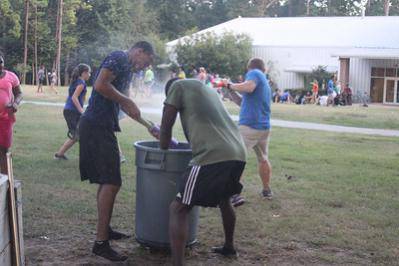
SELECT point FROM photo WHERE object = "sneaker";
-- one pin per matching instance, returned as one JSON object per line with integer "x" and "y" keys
{"x": 267, "y": 194}
{"x": 237, "y": 200}
{"x": 123, "y": 158}
{"x": 60, "y": 157}
{"x": 115, "y": 235}
{"x": 227, "y": 252}
{"x": 103, "y": 249}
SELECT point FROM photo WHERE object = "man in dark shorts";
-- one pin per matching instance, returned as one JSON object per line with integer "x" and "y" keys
{"x": 99, "y": 153}
{"x": 218, "y": 160}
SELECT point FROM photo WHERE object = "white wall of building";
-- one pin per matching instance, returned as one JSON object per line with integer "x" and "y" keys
{"x": 284, "y": 58}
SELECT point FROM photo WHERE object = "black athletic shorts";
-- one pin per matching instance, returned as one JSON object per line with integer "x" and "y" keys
{"x": 41, "y": 81}
{"x": 208, "y": 185}
{"x": 99, "y": 160}
{"x": 72, "y": 119}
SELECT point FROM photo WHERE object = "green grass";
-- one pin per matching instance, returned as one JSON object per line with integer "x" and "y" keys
{"x": 342, "y": 207}
{"x": 375, "y": 116}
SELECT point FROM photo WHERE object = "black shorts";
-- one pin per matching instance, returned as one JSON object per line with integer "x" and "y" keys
{"x": 41, "y": 81}
{"x": 72, "y": 120}
{"x": 99, "y": 160}
{"x": 208, "y": 185}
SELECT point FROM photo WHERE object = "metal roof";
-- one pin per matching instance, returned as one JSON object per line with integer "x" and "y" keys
{"x": 368, "y": 53}
{"x": 350, "y": 32}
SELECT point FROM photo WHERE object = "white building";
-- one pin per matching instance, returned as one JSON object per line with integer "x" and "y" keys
{"x": 363, "y": 50}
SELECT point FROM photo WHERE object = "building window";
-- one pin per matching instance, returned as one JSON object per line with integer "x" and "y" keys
{"x": 377, "y": 72}
{"x": 390, "y": 72}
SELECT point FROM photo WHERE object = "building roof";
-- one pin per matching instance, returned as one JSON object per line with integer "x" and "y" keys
{"x": 350, "y": 32}
{"x": 368, "y": 53}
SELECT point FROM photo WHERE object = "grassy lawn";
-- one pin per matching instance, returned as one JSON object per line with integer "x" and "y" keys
{"x": 375, "y": 116}
{"x": 342, "y": 207}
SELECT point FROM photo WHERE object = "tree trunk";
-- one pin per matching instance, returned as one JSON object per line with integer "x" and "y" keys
{"x": 386, "y": 7}
{"x": 46, "y": 73}
{"x": 25, "y": 41}
{"x": 35, "y": 32}
{"x": 59, "y": 41}
{"x": 33, "y": 74}
{"x": 66, "y": 70}
{"x": 308, "y": 8}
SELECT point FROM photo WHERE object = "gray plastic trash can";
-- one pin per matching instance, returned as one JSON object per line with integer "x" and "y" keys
{"x": 157, "y": 174}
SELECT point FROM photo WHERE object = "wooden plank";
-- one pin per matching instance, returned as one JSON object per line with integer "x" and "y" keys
{"x": 18, "y": 195}
{"x": 4, "y": 219}
{"x": 5, "y": 256}
{"x": 4, "y": 231}
{"x": 3, "y": 192}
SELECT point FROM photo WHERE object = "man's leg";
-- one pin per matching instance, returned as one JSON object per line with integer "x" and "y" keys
{"x": 66, "y": 146}
{"x": 229, "y": 222}
{"x": 265, "y": 172}
{"x": 105, "y": 205}
{"x": 3, "y": 160}
{"x": 178, "y": 230}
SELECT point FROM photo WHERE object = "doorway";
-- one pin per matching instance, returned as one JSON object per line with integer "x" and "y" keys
{"x": 391, "y": 91}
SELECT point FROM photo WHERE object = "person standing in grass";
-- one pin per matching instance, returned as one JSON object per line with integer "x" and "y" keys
{"x": 148, "y": 81}
{"x": 53, "y": 81}
{"x": 99, "y": 154}
{"x": 10, "y": 98}
{"x": 254, "y": 121}
{"x": 219, "y": 158}
{"x": 41, "y": 76}
{"x": 315, "y": 91}
{"x": 73, "y": 108}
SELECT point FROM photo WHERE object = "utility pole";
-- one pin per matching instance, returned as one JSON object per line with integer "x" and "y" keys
{"x": 25, "y": 41}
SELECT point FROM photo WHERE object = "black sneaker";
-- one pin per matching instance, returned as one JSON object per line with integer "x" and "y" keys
{"x": 237, "y": 200}
{"x": 227, "y": 252}
{"x": 103, "y": 249}
{"x": 267, "y": 194}
{"x": 60, "y": 157}
{"x": 115, "y": 235}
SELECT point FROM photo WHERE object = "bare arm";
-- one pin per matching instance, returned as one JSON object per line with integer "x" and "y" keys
{"x": 235, "y": 97}
{"x": 104, "y": 86}
{"x": 17, "y": 99}
{"x": 246, "y": 86}
{"x": 75, "y": 98}
{"x": 168, "y": 120}
{"x": 17, "y": 94}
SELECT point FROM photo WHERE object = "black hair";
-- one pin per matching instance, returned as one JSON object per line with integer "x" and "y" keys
{"x": 78, "y": 70}
{"x": 146, "y": 46}
{"x": 169, "y": 84}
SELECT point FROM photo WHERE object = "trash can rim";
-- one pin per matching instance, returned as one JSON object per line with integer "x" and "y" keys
{"x": 137, "y": 144}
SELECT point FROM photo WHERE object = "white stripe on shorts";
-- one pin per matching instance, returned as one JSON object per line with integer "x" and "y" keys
{"x": 187, "y": 183}
{"x": 188, "y": 191}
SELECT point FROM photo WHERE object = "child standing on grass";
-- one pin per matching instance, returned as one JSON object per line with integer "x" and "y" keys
{"x": 74, "y": 107}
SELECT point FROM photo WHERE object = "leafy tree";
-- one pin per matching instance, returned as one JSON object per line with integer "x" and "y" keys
{"x": 227, "y": 54}
{"x": 10, "y": 30}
